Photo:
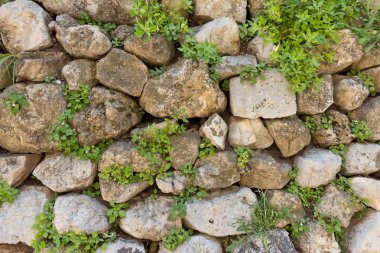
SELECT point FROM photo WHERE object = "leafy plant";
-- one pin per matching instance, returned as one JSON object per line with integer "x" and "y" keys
{"x": 116, "y": 43}
{"x": 321, "y": 122}
{"x": 126, "y": 175}
{"x": 243, "y": 155}
{"x": 157, "y": 71}
{"x": 205, "y": 51}
{"x": 367, "y": 80}
{"x": 7, "y": 193}
{"x": 85, "y": 19}
{"x": 77, "y": 100}
{"x": 187, "y": 5}
{"x": 344, "y": 184}
{"x": 116, "y": 212}
{"x": 16, "y": 101}
{"x": 93, "y": 191}
{"x": 188, "y": 169}
{"x": 179, "y": 207}
{"x": 154, "y": 195}
{"x": 296, "y": 229}
{"x": 206, "y": 148}
{"x": 340, "y": 150}
{"x": 361, "y": 130}
{"x": 225, "y": 85}
{"x": 332, "y": 226}
{"x": 9, "y": 61}
{"x": 176, "y": 237}
{"x": 250, "y": 73}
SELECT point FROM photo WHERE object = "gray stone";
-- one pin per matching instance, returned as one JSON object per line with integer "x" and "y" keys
{"x": 207, "y": 10}
{"x": 362, "y": 159}
{"x": 367, "y": 189}
{"x": 349, "y": 92}
{"x": 370, "y": 59}
{"x": 261, "y": 49}
{"x": 121, "y": 245}
{"x": 80, "y": 72}
{"x": 185, "y": 148}
{"x": 197, "y": 243}
{"x": 374, "y": 74}
{"x": 215, "y": 129}
{"x": 256, "y": 7}
{"x": 174, "y": 184}
{"x": 120, "y": 193}
{"x": 122, "y": 32}
{"x": 232, "y": 65}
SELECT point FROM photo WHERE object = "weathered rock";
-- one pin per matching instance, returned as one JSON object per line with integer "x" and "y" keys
{"x": 232, "y": 65}
{"x": 312, "y": 102}
{"x": 261, "y": 49}
{"x": 157, "y": 51}
{"x": 266, "y": 172}
{"x": 65, "y": 173}
{"x": 317, "y": 167}
{"x": 110, "y": 114}
{"x": 197, "y": 243}
{"x": 123, "y": 72}
{"x": 207, "y": 10}
{"x": 24, "y": 26}
{"x": 80, "y": 72}
{"x": 217, "y": 171}
{"x": 27, "y": 131}
{"x": 218, "y": 213}
{"x": 5, "y": 74}
{"x": 149, "y": 219}
{"x": 367, "y": 189}
{"x": 374, "y": 74}
{"x": 16, "y": 168}
{"x": 256, "y": 7}
{"x": 121, "y": 245}
{"x": 346, "y": 51}
{"x": 269, "y": 98}
{"x": 362, "y": 159}
{"x": 349, "y": 92}
{"x": 277, "y": 241}
{"x": 248, "y": 132}
{"x": 175, "y": 6}
{"x": 185, "y": 148}
{"x": 185, "y": 85}
{"x": 370, "y": 113}
{"x": 215, "y": 129}
{"x": 17, "y": 219}
{"x": 290, "y": 134}
{"x": 80, "y": 214}
{"x": 120, "y": 193}
{"x": 174, "y": 184}
{"x": 122, "y": 32}
{"x": 369, "y": 59}
{"x": 15, "y": 248}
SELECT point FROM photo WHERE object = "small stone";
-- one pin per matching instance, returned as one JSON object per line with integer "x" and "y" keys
{"x": 218, "y": 214}
{"x": 80, "y": 213}
{"x": 367, "y": 189}
{"x": 312, "y": 102}
{"x": 349, "y": 92}
{"x": 215, "y": 129}
{"x": 80, "y": 72}
{"x": 197, "y": 243}
{"x": 374, "y": 74}
{"x": 174, "y": 184}
{"x": 149, "y": 219}
{"x": 185, "y": 148}
{"x": 224, "y": 33}
{"x": 362, "y": 159}
{"x": 121, "y": 245}
{"x": 265, "y": 172}
{"x": 16, "y": 168}
{"x": 370, "y": 59}
{"x": 207, "y": 10}
{"x": 261, "y": 49}
{"x": 317, "y": 167}
{"x": 290, "y": 134}
{"x": 269, "y": 98}
{"x": 232, "y": 65}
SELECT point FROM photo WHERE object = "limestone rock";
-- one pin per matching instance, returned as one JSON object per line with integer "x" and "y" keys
{"x": 290, "y": 134}
{"x": 266, "y": 172}
{"x": 223, "y": 32}
{"x": 122, "y": 32}
{"x": 232, "y": 65}
{"x": 374, "y": 74}
{"x": 110, "y": 114}
{"x": 80, "y": 214}
{"x": 185, "y": 85}
{"x": 370, "y": 59}
{"x": 215, "y": 129}
{"x": 17, "y": 219}
{"x": 15, "y": 168}
{"x": 185, "y": 148}
{"x": 121, "y": 245}
{"x": 362, "y": 159}
{"x": 24, "y": 26}
{"x": 120, "y": 193}
{"x": 218, "y": 213}
{"x": 269, "y": 98}
{"x": 313, "y": 102}
{"x": 149, "y": 219}
{"x": 349, "y": 92}
{"x": 175, "y": 6}
{"x": 80, "y": 72}
{"x": 5, "y": 74}
{"x": 261, "y": 49}
{"x": 317, "y": 167}
{"x": 217, "y": 171}
{"x": 26, "y": 132}
{"x": 368, "y": 189}
{"x": 174, "y": 184}
{"x": 197, "y": 243}
{"x": 256, "y": 7}
{"x": 207, "y": 10}
{"x": 123, "y": 72}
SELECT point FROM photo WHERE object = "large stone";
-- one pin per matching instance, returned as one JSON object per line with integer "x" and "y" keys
{"x": 370, "y": 59}
{"x": 27, "y": 131}
{"x": 149, "y": 219}
{"x": 197, "y": 243}
{"x": 174, "y": 184}
{"x": 269, "y": 98}
{"x": 224, "y": 33}
{"x": 121, "y": 245}
{"x": 80, "y": 72}
{"x": 80, "y": 213}
{"x": 120, "y": 193}
{"x": 207, "y": 10}
{"x": 123, "y": 72}
{"x": 290, "y": 134}
{"x": 185, "y": 85}
{"x": 17, "y": 219}
{"x": 215, "y": 129}
{"x": 217, "y": 171}
{"x": 157, "y": 51}
{"x": 220, "y": 212}
{"x": 185, "y": 148}
{"x": 265, "y": 172}
{"x": 261, "y": 49}
{"x": 16, "y": 168}
{"x": 362, "y": 159}
{"x": 317, "y": 167}
{"x": 349, "y": 92}
{"x": 65, "y": 173}
{"x": 24, "y": 26}
{"x": 312, "y": 102}
{"x": 346, "y": 51}
{"x": 374, "y": 74}
{"x": 370, "y": 113}
{"x": 232, "y": 65}
{"x": 110, "y": 114}
{"x": 367, "y": 189}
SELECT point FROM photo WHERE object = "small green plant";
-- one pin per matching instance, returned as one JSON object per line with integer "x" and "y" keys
{"x": 178, "y": 210}
{"x": 187, "y": 5}
{"x": 126, "y": 175}
{"x": 157, "y": 71}
{"x": 77, "y": 100}
{"x": 16, "y": 101}
{"x": 9, "y": 61}
{"x": 85, "y": 19}
{"x": 116, "y": 212}
{"x": 205, "y": 51}
{"x": 296, "y": 229}
{"x": 344, "y": 184}
{"x": 320, "y": 122}
{"x": 367, "y": 80}
{"x": 176, "y": 237}
{"x": 116, "y": 43}
{"x": 340, "y": 150}
{"x": 243, "y": 155}
{"x": 331, "y": 225}
{"x": 225, "y": 85}
{"x": 361, "y": 130}
{"x": 188, "y": 169}
{"x": 206, "y": 148}
{"x": 7, "y": 193}
{"x": 154, "y": 195}
{"x": 250, "y": 73}
{"x": 93, "y": 191}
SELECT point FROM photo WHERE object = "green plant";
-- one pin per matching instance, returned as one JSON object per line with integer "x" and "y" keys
{"x": 16, "y": 101}
{"x": 187, "y": 5}
{"x": 93, "y": 191}
{"x": 126, "y": 175}
{"x": 250, "y": 73}
{"x": 116, "y": 43}
{"x": 154, "y": 195}
{"x": 367, "y": 80}
{"x": 361, "y": 130}
{"x": 205, "y": 51}
{"x": 322, "y": 122}
{"x": 344, "y": 184}
{"x": 243, "y": 155}
{"x": 340, "y": 150}
{"x": 179, "y": 207}
{"x": 331, "y": 225}
{"x": 206, "y": 148}
{"x": 7, "y": 193}
{"x": 176, "y": 237}
{"x": 296, "y": 229}
{"x": 188, "y": 169}
{"x": 85, "y": 19}
{"x": 157, "y": 71}
{"x": 9, "y": 61}
{"x": 77, "y": 100}
{"x": 225, "y": 85}
{"x": 116, "y": 212}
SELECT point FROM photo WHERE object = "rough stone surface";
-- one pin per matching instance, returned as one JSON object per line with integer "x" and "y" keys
{"x": 176, "y": 6}
{"x": 207, "y": 10}
{"x": 369, "y": 59}
{"x": 349, "y": 92}
{"x": 110, "y": 114}
{"x": 187, "y": 85}
{"x": 15, "y": 168}
{"x": 15, "y": 248}
{"x": 263, "y": 50}
{"x": 313, "y": 102}
{"x": 149, "y": 219}
{"x": 27, "y": 131}
{"x": 374, "y": 74}
{"x": 80, "y": 214}
{"x": 217, "y": 171}
{"x": 120, "y": 193}
{"x": 24, "y": 26}
{"x": 255, "y": 7}
{"x": 317, "y": 167}
{"x": 5, "y": 74}
{"x": 197, "y": 243}
{"x": 224, "y": 33}
{"x": 265, "y": 172}
{"x": 17, "y": 219}
{"x": 122, "y": 245}
{"x": 80, "y": 72}
{"x": 65, "y": 173}
{"x": 362, "y": 159}
{"x": 185, "y": 148}
{"x": 232, "y": 65}
{"x": 215, "y": 129}
{"x": 174, "y": 184}
{"x": 216, "y": 215}
{"x": 269, "y": 98}
{"x": 368, "y": 189}
{"x": 123, "y": 72}
{"x": 290, "y": 134}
